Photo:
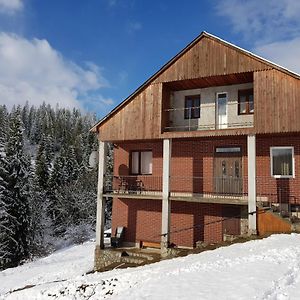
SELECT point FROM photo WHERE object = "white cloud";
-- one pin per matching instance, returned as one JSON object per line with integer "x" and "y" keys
{"x": 10, "y": 6}
{"x": 32, "y": 70}
{"x": 285, "y": 53}
{"x": 264, "y": 21}
{"x": 271, "y": 26}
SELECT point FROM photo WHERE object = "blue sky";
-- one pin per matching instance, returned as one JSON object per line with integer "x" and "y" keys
{"x": 92, "y": 54}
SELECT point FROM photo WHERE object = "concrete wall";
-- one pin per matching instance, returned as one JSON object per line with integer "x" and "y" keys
{"x": 208, "y": 107}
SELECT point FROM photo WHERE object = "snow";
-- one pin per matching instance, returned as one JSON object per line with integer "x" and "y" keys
{"x": 61, "y": 265}
{"x": 259, "y": 269}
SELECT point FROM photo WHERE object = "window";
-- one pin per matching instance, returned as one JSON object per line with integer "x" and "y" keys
{"x": 282, "y": 162}
{"x": 141, "y": 162}
{"x": 192, "y": 107}
{"x": 246, "y": 102}
{"x": 228, "y": 149}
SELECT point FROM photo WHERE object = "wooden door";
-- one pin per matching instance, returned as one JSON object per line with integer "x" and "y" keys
{"x": 231, "y": 223}
{"x": 228, "y": 175}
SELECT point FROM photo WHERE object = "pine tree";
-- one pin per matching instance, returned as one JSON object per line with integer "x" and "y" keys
{"x": 42, "y": 165}
{"x": 5, "y": 252}
{"x": 18, "y": 169}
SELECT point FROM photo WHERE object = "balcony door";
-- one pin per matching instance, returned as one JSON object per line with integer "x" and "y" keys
{"x": 228, "y": 173}
{"x": 221, "y": 111}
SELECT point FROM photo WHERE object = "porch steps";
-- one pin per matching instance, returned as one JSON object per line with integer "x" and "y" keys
{"x": 125, "y": 258}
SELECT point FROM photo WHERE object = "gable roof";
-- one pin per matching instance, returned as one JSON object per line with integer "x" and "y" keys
{"x": 178, "y": 55}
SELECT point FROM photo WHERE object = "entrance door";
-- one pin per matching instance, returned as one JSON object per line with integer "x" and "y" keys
{"x": 228, "y": 175}
{"x": 222, "y": 111}
{"x": 231, "y": 223}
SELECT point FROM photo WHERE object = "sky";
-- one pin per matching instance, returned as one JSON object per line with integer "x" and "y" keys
{"x": 92, "y": 54}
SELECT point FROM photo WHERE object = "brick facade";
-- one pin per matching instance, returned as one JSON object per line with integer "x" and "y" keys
{"x": 284, "y": 190}
{"x": 142, "y": 220}
{"x": 192, "y": 168}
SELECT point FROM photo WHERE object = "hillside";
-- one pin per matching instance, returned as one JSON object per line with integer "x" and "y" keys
{"x": 260, "y": 269}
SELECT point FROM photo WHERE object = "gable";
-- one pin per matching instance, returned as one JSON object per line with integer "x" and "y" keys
{"x": 206, "y": 57}
{"x": 209, "y": 57}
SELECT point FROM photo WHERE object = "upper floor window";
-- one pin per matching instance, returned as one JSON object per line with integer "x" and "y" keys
{"x": 192, "y": 107}
{"x": 141, "y": 162}
{"x": 282, "y": 162}
{"x": 246, "y": 102}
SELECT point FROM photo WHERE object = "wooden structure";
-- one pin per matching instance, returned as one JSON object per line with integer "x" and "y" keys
{"x": 207, "y": 61}
{"x": 268, "y": 223}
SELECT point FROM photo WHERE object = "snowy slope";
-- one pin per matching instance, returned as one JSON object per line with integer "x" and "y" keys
{"x": 261, "y": 269}
{"x": 63, "y": 264}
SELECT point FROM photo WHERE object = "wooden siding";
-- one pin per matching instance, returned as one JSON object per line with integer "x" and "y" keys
{"x": 277, "y": 102}
{"x": 139, "y": 119}
{"x": 268, "y": 222}
{"x": 210, "y": 58}
{"x": 276, "y": 94}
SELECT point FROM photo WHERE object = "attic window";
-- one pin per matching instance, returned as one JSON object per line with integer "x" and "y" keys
{"x": 192, "y": 107}
{"x": 246, "y": 102}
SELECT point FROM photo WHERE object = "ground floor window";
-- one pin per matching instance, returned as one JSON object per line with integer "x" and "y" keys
{"x": 141, "y": 162}
{"x": 282, "y": 162}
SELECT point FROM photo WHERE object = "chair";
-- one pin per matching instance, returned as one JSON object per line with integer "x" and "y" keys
{"x": 117, "y": 240}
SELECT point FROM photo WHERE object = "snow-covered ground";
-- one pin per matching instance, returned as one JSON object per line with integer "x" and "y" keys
{"x": 260, "y": 269}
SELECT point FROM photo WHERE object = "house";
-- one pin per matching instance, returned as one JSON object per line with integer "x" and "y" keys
{"x": 202, "y": 147}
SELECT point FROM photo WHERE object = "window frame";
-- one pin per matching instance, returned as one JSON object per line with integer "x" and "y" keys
{"x": 293, "y": 162}
{"x": 139, "y": 162}
{"x": 193, "y": 98}
{"x": 247, "y": 93}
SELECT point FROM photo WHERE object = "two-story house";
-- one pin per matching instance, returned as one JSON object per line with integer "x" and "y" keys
{"x": 200, "y": 146}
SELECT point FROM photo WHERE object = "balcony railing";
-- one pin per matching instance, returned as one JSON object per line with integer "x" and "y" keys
{"x": 275, "y": 194}
{"x": 133, "y": 185}
{"x": 181, "y": 118}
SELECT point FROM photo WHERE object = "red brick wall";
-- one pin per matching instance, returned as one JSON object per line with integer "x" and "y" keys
{"x": 285, "y": 190}
{"x": 122, "y": 153}
{"x": 191, "y": 164}
{"x": 142, "y": 219}
{"x": 194, "y": 158}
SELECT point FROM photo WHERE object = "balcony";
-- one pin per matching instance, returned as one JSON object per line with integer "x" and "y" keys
{"x": 190, "y": 189}
{"x": 205, "y": 104}
{"x": 220, "y": 190}
{"x": 209, "y": 120}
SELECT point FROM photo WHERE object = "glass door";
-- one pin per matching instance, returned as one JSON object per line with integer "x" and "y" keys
{"x": 222, "y": 111}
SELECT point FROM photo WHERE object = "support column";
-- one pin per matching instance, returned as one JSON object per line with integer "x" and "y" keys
{"x": 166, "y": 205}
{"x": 251, "y": 145}
{"x": 100, "y": 198}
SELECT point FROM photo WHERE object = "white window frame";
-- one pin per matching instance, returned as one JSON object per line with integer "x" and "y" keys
{"x": 221, "y": 126}
{"x": 293, "y": 162}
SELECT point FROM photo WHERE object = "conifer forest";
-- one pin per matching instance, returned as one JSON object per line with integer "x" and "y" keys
{"x": 48, "y": 186}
